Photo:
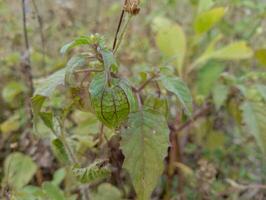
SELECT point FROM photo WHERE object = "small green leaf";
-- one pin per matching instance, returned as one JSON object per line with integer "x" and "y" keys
{"x": 19, "y": 170}
{"x": 204, "y": 5}
{"x": 59, "y": 151}
{"x": 262, "y": 91}
{"x": 82, "y": 40}
{"x": 59, "y": 176}
{"x": 179, "y": 88}
{"x": 52, "y": 191}
{"x": 144, "y": 144}
{"x": 106, "y": 191}
{"x": 261, "y": 56}
{"x": 91, "y": 173}
{"x": 76, "y": 62}
{"x": 11, "y": 124}
{"x": 12, "y": 90}
{"x": 158, "y": 104}
{"x": 220, "y": 93}
{"x": 47, "y": 118}
{"x": 171, "y": 40}
{"x": 207, "y": 19}
{"x": 207, "y": 76}
{"x": 254, "y": 117}
{"x": 109, "y": 60}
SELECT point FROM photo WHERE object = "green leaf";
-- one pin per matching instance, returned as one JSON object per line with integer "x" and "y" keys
{"x": 234, "y": 51}
{"x": 91, "y": 173}
{"x": 254, "y": 117}
{"x": 180, "y": 89}
{"x": 262, "y": 90}
{"x": 52, "y": 191}
{"x": 59, "y": 151}
{"x": 76, "y": 62}
{"x": 204, "y": 5}
{"x": 19, "y": 170}
{"x": 207, "y": 76}
{"x": 106, "y": 191}
{"x": 220, "y": 93}
{"x": 207, "y": 19}
{"x": 144, "y": 145}
{"x": 158, "y": 104}
{"x": 49, "y": 84}
{"x": 261, "y": 56}
{"x": 47, "y": 118}
{"x": 111, "y": 102}
{"x": 11, "y": 124}
{"x": 59, "y": 176}
{"x": 12, "y": 90}
{"x": 82, "y": 40}
{"x": 171, "y": 41}
{"x": 46, "y": 88}
{"x": 37, "y": 102}
{"x": 109, "y": 60}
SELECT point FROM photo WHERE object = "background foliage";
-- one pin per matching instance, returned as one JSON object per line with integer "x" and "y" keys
{"x": 206, "y": 61}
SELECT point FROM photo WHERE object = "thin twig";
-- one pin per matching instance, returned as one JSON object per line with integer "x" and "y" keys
{"x": 119, "y": 26}
{"x": 201, "y": 113}
{"x": 146, "y": 82}
{"x": 122, "y": 34}
{"x": 26, "y": 69}
{"x": 40, "y": 22}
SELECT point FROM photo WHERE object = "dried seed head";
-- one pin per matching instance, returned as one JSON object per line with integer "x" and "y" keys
{"x": 132, "y": 7}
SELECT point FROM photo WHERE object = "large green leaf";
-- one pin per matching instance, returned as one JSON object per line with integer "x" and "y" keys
{"x": 171, "y": 40}
{"x": 180, "y": 89}
{"x": 111, "y": 101}
{"x": 19, "y": 170}
{"x": 207, "y": 19}
{"x": 144, "y": 145}
{"x": 234, "y": 51}
{"x": 46, "y": 88}
{"x": 254, "y": 116}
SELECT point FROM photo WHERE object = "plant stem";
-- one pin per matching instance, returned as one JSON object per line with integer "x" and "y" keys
{"x": 40, "y": 22}
{"x": 123, "y": 33}
{"x": 146, "y": 83}
{"x": 26, "y": 70}
{"x": 119, "y": 26}
{"x": 73, "y": 159}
